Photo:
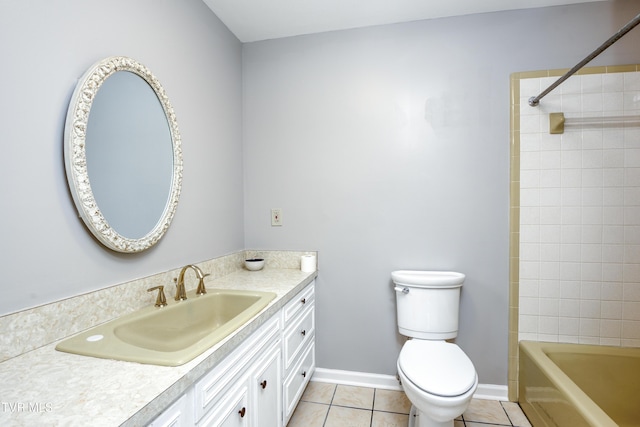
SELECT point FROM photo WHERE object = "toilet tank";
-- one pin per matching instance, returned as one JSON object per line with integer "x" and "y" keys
{"x": 428, "y": 303}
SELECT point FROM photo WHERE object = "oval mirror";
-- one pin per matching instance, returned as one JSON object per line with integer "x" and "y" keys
{"x": 123, "y": 156}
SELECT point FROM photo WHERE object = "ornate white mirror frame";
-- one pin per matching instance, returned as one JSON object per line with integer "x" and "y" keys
{"x": 76, "y": 159}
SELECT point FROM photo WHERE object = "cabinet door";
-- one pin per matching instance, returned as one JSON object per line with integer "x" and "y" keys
{"x": 233, "y": 411}
{"x": 267, "y": 383}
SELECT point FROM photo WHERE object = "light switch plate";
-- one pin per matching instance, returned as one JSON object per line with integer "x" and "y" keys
{"x": 276, "y": 217}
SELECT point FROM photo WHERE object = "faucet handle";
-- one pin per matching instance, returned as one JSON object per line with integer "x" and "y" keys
{"x": 161, "y": 300}
{"x": 201, "y": 289}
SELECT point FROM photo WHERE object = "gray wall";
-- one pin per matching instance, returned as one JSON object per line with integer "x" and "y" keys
{"x": 388, "y": 148}
{"x": 45, "y": 46}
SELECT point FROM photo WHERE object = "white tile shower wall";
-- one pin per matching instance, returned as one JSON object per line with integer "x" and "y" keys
{"x": 580, "y": 213}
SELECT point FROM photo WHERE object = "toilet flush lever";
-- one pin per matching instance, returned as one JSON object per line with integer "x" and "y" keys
{"x": 404, "y": 290}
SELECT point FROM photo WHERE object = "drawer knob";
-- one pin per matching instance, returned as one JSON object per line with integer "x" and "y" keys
{"x": 303, "y": 332}
{"x": 242, "y": 412}
{"x": 264, "y": 384}
{"x": 303, "y": 300}
{"x": 304, "y": 374}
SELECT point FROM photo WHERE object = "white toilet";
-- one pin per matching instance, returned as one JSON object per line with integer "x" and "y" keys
{"x": 437, "y": 377}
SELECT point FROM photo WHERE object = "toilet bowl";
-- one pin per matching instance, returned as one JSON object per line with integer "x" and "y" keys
{"x": 437, "y": 376}
{"x": 439, "y": 380}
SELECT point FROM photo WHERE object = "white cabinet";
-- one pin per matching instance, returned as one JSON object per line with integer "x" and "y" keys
{"x": 266, "y": 382}
{"x": 260, "y": 382}
{"x": 298, "y": 347}
{"x": 230, "y": 411}
{"x": 255, "y": 399}
{"x": 297, "y": 380}
{"x": 178, "y": 414}
{"x": 229, "y": 395}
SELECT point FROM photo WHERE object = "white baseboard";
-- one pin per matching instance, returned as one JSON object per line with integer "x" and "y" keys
{"x": 359, "y": 379}
{"x": 390, "y": 382}
{"x": 491, "y": 392}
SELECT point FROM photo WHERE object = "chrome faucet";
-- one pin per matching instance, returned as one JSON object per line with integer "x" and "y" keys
{"x": 181, "y": 293}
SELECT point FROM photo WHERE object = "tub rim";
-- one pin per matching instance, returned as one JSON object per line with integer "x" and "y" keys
{"x": 590, "y": 411}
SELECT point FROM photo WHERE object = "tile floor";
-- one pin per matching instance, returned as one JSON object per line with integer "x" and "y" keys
{"x": 331, "y": 405}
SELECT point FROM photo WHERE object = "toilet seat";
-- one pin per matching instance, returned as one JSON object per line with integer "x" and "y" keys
{"x": 437, "y": 367}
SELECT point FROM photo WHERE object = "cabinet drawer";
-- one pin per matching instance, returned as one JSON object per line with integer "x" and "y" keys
{"x": 297, "y": 380}
{"x": 299, "y": 302}
{"x": 298, "y": 334}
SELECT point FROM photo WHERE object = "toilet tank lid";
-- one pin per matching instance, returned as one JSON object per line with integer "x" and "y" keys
{"x": 428, "y": 279}
{"x": 437, "y": 367}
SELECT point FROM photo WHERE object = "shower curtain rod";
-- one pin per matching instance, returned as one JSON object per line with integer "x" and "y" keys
{"x": 535, "y": 100}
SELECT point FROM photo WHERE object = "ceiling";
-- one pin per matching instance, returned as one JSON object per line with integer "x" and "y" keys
{"x": 254, "y": 20}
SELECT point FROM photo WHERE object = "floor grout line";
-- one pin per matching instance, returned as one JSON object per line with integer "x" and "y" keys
{"x": 463, "y": 422}
{"x": 506, "y": 413}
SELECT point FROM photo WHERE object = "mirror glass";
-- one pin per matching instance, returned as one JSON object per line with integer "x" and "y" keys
{"x": 129, "y": 154}
{"x": 123, "y": 155}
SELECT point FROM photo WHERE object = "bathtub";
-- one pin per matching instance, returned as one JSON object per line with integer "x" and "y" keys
{"x": 575, "y": 385}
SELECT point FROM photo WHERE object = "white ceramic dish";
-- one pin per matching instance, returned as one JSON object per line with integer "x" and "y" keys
{"x": 254, "y": 264}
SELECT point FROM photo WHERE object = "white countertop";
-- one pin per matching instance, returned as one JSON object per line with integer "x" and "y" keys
{"x": 45, "y": 387}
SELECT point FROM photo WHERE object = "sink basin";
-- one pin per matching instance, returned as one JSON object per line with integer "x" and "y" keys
{"x": 171, "y": 335}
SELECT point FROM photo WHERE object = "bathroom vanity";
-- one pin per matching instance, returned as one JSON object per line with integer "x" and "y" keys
{"x": 261, "y": 381}
{"x": 222, "y": 386}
